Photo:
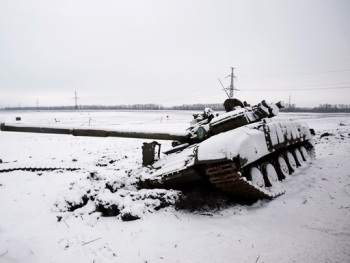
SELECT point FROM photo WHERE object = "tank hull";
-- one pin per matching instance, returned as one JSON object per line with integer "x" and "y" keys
{"x": 226, "y": 160}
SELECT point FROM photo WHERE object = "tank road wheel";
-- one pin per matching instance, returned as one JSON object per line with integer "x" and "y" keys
{"x": 256, "y": 177}
{"x": 291, "y": 161}
{"x": 305, "y": 154}
{"x": 298, "y": 157}
{"x": 282, "y": 167}
{"x": 271, "y": 174}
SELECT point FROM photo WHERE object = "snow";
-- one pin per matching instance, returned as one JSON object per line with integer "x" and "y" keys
{"x": 174, "y": 162}
{"x": 230, "y": 144}
{"x": 240, "y": 112}
{"x": 309, "y": 223}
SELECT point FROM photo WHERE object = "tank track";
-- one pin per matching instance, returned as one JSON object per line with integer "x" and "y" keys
{"x": 227, "y": 177}
{"x": 10, "y": 167}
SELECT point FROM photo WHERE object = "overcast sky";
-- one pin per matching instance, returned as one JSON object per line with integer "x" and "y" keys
{"x": 173, "y": 52}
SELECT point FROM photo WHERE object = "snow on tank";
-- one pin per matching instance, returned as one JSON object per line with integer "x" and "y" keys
{"x": 243, "y": 152}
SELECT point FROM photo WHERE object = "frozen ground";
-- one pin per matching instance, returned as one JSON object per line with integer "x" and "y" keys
{"x": 309, "y": 223}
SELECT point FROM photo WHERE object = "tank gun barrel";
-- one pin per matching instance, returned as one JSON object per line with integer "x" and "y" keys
{"x": 205, "y": 126}
{"x": 181, "y": 137}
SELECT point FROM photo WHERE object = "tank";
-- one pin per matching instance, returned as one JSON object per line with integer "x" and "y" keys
{"x": 244, "y": 152}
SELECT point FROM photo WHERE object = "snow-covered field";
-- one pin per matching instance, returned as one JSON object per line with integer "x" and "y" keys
{"x": 309, "y": 223}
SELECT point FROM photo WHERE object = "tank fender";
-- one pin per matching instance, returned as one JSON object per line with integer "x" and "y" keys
{"x": 244, "y": 144}
{"x": 306, "y": 131}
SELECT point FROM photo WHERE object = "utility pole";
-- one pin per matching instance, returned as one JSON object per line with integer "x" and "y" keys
{"x": 289, "y": 102}
{"x": 232, "y": 87}
{"x": 76, "y": 100}
{"x": 37, "y": 104}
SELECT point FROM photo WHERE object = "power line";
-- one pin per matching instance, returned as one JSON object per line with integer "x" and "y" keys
{"x": 294, "y": 89}
{"x": 316, "y": 85}
{"x": 295, "y": 74}
{"x": 298, "y": 64}
{"x": 193, "y": 94}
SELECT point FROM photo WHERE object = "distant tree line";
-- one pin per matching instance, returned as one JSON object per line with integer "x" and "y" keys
{"x": 41, "y": 108}
{"x": 149, "y": 106}
{"x": 326, "y": 108}
{"x": 213, "y": 106}
{"x": 94, "y": 107}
